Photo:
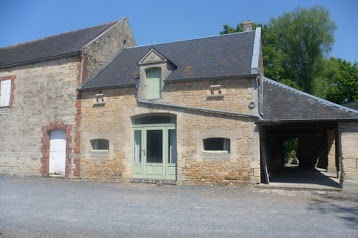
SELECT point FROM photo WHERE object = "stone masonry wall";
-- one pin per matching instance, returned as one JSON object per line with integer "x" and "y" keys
{"x": 237, "y": 95}
{"x": 195, "y": 166}
{"x": 107, "y": 46}
{"x": 44, "y": 96}
{"x": 349, "y": 143}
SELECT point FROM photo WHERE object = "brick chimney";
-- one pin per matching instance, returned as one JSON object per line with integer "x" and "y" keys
{"x": 247, "y": 25}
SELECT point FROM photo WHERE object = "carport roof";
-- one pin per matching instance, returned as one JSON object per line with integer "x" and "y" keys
{"x": 283, "y": 103}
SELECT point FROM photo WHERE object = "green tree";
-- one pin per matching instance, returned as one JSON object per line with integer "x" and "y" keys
{"x": 294, "y": 45}
{"x": 303, "y": 36}
{"x": 341, "y": 78}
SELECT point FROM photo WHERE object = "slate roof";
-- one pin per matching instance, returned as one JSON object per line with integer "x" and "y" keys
{"x": 352, "y": 105}
{"x": 218, "y": 56}
{"x": 283, "y": 103}
{"x": 69, "y": 43}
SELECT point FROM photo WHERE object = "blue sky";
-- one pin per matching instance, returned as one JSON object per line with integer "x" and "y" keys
{"x": 158, "y": 21}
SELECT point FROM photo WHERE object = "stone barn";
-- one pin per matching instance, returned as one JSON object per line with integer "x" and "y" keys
{"x": 90, "y": 104}
{"x": 39, "y": 111}
{"x": 202, "y": 112}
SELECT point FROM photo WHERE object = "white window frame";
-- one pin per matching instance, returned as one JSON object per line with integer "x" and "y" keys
{"x": 94, "y": 145}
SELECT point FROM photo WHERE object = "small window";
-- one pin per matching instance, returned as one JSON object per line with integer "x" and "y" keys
{"x": 100, "y": 144}
{"x": 217, "y": 144}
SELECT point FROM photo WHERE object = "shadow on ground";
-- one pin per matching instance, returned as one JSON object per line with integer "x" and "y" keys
{"x": 304, "y": 176}
{"x": 345, "y": 208}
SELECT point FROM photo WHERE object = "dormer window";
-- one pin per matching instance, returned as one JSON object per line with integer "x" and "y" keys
{"x": 153, "y": 83}
{"x": 154, "y": 69}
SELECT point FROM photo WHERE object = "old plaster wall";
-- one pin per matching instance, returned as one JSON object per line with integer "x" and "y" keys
{"x": 349, "y": 152}
{"x": 103, "y": 49}
{"x": 195, "y": 166}
{"x": 44, "y": 94}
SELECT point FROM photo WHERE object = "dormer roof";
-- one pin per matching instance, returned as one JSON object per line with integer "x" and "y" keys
{"x": 152, "y": 57}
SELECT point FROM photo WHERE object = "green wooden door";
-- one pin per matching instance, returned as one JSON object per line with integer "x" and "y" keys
{"x": 154, "y": 152}
{"x": 153, "y": 83}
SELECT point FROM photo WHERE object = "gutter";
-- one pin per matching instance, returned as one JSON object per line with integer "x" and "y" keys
{"x": 260, "y": 88}
{"x": 263, "y": 122}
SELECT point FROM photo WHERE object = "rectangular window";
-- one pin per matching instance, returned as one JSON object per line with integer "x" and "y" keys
{"x": 5, "y": 93}
{"x": 137, "y": 146}
{"x": 217, "y": 144}
{"x": 100, "y": 144}
{"x": 172, "y": 147}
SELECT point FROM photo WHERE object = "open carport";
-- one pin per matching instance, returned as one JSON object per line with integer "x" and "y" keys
{"x": 306, "y": 141}
{"x": 316, "y": 160}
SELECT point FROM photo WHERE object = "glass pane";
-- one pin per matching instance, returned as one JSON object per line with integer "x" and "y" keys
{"x": 217, "y": 144}
{"x": 137, "y": 147}
{"x": 154, "y": 146}
{"x": 100, "y": 144}
{"x": 154, "y": 120}
{"x": 172, "y": 147}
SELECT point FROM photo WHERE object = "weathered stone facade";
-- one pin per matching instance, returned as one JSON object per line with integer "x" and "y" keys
{"x": 349, "y": 152}
{"x": 44, "y": 98}
{"x": 44, "y": 93}
{"x": 113, "y": 121}
{"x": 101, "y": 50}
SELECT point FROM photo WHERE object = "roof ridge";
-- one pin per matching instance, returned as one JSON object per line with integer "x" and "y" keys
{"x": 193, "y": 39}
{"x": 56, "y": 35}
{"x": 326, "y": 102}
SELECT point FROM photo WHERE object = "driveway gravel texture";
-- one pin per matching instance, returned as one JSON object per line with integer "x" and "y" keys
{"x": 49, "y": 207}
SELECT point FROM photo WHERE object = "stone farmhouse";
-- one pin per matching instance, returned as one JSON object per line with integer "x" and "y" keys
{"x": 90, "y": 104}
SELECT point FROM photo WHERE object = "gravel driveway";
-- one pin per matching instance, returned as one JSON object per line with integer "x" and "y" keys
{"x": 45, "y": 207}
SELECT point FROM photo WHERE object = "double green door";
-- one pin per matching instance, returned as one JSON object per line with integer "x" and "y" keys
{"x": 154, "y": 151}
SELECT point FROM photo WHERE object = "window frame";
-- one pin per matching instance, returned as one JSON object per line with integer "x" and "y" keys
{"x": 12, "y": 88}
{"x": 226, "y": 142}
{"x": 93, "y": 141}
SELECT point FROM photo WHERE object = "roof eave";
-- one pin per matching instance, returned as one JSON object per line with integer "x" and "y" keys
{"x": 76, "y": 53}
{"x": 280, "y": 121}
{"x": 107, "y": 87}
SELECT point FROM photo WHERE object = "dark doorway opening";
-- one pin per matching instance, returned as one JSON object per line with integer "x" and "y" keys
{"x": 300, "y": 153}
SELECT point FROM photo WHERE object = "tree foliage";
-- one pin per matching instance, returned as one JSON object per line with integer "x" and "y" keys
{"x": 341, "y": 81}
{"x": 294, "y": 45}
{"x": 302, "y": 38}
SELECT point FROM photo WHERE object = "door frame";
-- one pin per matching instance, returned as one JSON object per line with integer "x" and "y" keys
{"x": 169, "y": 169}
{"x": 45, "y": 149}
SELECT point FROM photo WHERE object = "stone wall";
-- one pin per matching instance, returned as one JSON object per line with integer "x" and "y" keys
{"x": 236, "y": 97}
{"x": 44, "y": 95}
{"x": 349, "y": 152}
{"x": 195, "y": 166}
{"x": 107, "y": 46}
